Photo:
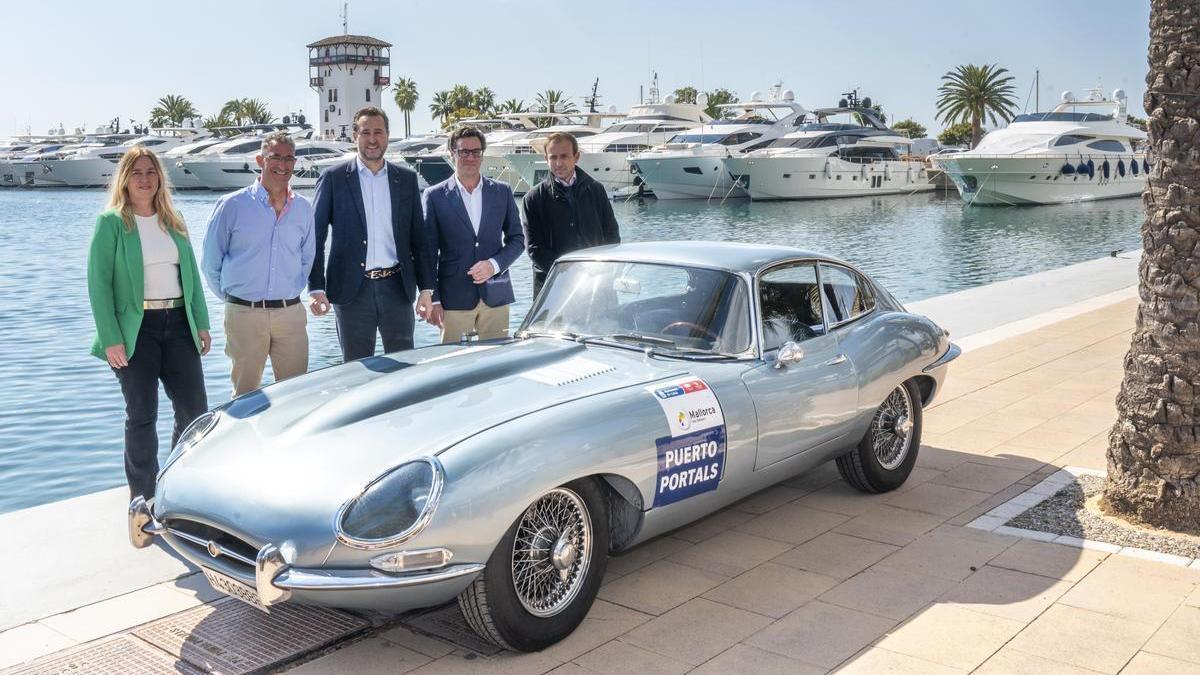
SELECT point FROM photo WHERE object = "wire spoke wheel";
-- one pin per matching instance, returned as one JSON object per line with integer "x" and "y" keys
{"x": 551, "y": 552}
{"x": 892, "y": 429}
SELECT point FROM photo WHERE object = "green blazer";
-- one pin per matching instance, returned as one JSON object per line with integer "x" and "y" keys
{"x": 116, "y": 286}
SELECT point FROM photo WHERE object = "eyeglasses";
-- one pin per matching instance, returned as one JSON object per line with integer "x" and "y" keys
{"x": 473, "y": 152}
{"x": 286, "y": 159}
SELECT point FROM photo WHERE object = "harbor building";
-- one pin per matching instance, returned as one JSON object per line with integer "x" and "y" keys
{"x": 347, "y": 72}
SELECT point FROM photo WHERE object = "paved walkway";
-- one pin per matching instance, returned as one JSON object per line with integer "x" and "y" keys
{"x": 810, "y": 576}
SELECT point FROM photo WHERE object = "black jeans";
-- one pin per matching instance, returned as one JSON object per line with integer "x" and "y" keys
{"x": 165, "y": 351}
{"x": 381, "y": 305}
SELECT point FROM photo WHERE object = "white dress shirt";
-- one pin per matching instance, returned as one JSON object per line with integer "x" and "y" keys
{"x": 474, "y": 203}
{"x": 377, "y": 206}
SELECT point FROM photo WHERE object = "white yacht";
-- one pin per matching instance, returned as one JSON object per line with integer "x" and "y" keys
{"x": 92, "y": 164}
{"x": 29, "y": 170}
{"x": 1082, "y": 150}
{"x": 824, "y": 159}
{"x": 689, "y": 165}
{"x": 10, "y": 150}
{"x": 231, "y": 165}
{"x": 520, "y": 161}
{"x": 434, "y": 165}
{"x": 181, "y": 178}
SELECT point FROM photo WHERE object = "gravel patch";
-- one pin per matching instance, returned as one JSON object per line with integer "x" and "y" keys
{"x": 1067, "y": 512}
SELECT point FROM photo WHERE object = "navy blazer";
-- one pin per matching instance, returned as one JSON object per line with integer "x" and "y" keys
{"x": 339, "y": 202}
{"x": 458, "y": 248}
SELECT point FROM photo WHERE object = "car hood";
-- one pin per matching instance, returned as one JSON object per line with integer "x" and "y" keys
{"x": 309, "y": 444}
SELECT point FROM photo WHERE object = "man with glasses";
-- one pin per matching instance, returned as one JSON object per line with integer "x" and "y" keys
{"x": 257, "y": 255}
{"x": 474, "y": 225}
{"x": 377, "y": 254}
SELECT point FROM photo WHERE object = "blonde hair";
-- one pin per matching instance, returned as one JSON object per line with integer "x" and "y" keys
{"x": 118, "y": 194}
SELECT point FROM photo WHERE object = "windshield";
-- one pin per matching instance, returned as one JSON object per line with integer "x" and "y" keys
{"x": 697, "y": 138}
{"x": 667, "y": 307}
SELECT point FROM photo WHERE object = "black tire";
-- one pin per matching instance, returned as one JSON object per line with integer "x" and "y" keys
{"x": 864, "y": 467}
{"x": 495, "y": 609}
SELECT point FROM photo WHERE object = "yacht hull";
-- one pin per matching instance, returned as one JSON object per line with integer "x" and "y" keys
{"x": 497, "y": 168}
{"x": 611, "y": 169}
{"x": 224, "y": 174}
{"x": 693, "y": 177}
{"x": 781, "y": 178}
{"x": 1008, "y": 181}
{"x": 35, "y": 174}
{"x": 181, "y": 178}
{"x": 81, "y": 173}
{"x": 8, "y": 175}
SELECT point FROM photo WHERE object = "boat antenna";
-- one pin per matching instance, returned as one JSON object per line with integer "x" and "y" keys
{"x": 1037, "y": 91}
{"x": 594, "y": 98}
{"x": 345, "y": 18}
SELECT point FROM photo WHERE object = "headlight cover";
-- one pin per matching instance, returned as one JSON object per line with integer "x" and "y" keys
{"x": 393, "y": 508}
{"x": 195, "y": 431}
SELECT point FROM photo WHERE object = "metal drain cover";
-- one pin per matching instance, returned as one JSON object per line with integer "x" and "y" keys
{"x": 118, "y": 656}
{"x": 232, "y": 637}
{"x": 448, "y": 623}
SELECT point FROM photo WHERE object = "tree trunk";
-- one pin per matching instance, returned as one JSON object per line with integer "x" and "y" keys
{"x": 1154, "y": 448}
{"x": 976, "y": 130}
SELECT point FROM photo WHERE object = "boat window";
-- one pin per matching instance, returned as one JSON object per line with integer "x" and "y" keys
{"x": 739, "y": 138}
{"x": 1071, "y": 139}
{"x": 790, "y": 304}
{"x": 847, "y": 295}
{"x": 625, "y": 147}
{"x": 698, "y": 138}
{"x": 243, "y": 147}
{"x": 583, "y": 134}
{"x": 1062, "y": 117}
{"x": 153, "y": 142}
{"x": 1107, "y": 144}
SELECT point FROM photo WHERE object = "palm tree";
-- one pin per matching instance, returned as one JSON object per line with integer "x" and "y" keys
{"x": 255, "y": 111}
{"x": 484, "y": 100}
{"x": 553, "y": 101}
{"x": 173, "y": 110}
{"x": 512, "y": 105}
{"x": 1153, "y": 456}
{"x": 717, "y": 98}
{"x": 405, "y": 91}
{"x": 461, "y": 97}
{"x": 970, "y": 93}
{"x": 440, "y": 107}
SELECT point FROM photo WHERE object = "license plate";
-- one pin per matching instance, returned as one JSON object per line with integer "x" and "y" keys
{"x": 232, "y": 587}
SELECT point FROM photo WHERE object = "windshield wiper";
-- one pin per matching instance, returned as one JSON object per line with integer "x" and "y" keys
{"x": 629, "y": 337}
{"x": 566, "y": 335}
{"x": 691, "y": 352}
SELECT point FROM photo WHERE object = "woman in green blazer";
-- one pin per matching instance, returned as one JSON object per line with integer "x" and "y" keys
{"x": 151, "y": 320}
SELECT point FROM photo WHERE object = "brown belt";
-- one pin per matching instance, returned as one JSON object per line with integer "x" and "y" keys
{"x": 382, "y": 272}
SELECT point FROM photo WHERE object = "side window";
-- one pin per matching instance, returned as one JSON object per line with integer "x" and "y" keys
{"x": 791, "y": 305}
{"x": 846, "y": 294}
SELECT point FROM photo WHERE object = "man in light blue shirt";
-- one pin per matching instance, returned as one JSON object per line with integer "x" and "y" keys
{"x": 258, "y": 252}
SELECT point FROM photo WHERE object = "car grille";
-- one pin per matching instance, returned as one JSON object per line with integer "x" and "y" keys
{"x": 203, "y": 540}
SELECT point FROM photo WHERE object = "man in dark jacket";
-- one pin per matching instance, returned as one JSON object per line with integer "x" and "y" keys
{"x": 567, "y": 211}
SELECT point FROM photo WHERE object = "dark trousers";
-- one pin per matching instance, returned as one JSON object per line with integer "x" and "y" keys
{"x": 165, "y": 351}
{"x": 381, "y": 305}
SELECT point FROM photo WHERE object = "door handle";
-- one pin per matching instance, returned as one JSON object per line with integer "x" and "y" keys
{"x": 840, "y": 358}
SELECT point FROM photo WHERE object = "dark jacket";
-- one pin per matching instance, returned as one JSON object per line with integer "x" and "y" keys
{"x": 459, "y": 248}
{"x": 339, "y": 202}
{"x": 557, "y": 223}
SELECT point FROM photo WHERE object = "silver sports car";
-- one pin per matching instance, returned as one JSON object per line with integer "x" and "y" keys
{"x": 650, "y": 384}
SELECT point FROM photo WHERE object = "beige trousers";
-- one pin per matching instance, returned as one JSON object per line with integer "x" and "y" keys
{"x": 253, "y": 334}
{"x": 489, "y": 322}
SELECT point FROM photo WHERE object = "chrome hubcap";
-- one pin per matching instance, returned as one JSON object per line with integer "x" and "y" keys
{"x": 552, "y": 552}
{"x": 892, "y": 429}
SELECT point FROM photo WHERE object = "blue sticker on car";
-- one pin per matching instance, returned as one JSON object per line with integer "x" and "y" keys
{"x": 689, "y": 464}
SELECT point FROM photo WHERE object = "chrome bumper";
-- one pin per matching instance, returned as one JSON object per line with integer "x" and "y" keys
{"x": 275, "y": 579}
{"x": 952, "y": 352}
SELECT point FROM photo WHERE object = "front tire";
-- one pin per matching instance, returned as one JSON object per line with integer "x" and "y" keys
{"x": 887, "y": 452}
{"x": 542, "y": 577}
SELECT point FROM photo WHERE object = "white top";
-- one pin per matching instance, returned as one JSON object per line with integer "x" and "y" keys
{"x": 160, "y": 257}
{"x": 473, "y": 201}
{"x": 377, "y": 206}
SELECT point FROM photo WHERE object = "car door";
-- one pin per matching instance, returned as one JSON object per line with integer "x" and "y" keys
{"x": 805, "y": 403}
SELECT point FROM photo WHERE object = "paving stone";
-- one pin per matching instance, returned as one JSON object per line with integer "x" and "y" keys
{"x": 446, "y": 623}
{"x": 1006, "y": 593}
{"x": 418, "y": 642}
{"x": 981, "y": 477}
{"x": 660, "y": 586}
{"x": 502, "y": 663}
{"x": 1083, "y": 638}
{"x": 875, "y": 660}
{"x": 604, "y": 622}
{"x": 890, "y": 525}
{"x": 119, "y": 613}
{"x": 30, "y": 641}
{"x": 118, "y": 655}
{"x": 821, "y": 634}
{"x": 622, "y": 658}
{"x": 771, "y": 589}
{"x": 1049, "y": 560}
{"x": 233, "y": 637}
{"x": 1132, "y": 589}
{"x": 792, "y": 523}
{"x": 768, "y": 500}
{"x": 711, "y": 526}
{"x": 1179, "y": 637}
{"x": 645, "y": 554}
{"x": 729, "y": 553}
{"x": 888, "y": 593}
{"x": 836, "y": 555}
{"x": 1009, "y": 661}
{"x": 951, "y": 636}
{"x": 746, "y": 659}
{"x": 1145, "y": 663}
{"x": 939, "y": 500}
{"x": 839, "y": 497}
{"x": 696, "y": 631}
{"x": 942, "y": 555}
{"x": 374, "y": 655}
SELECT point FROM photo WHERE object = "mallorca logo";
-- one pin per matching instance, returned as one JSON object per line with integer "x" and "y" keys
{"x": 684, "y": 421}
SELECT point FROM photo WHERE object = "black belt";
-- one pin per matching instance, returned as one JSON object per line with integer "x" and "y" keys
{"x": 382, "y": 272}
{"x": 263, "y": 304}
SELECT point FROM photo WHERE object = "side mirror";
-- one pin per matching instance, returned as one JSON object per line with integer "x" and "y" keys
{"x": 789, "y": 353}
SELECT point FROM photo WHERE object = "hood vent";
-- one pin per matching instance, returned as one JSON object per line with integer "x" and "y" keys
{"x": 568, "y": 371}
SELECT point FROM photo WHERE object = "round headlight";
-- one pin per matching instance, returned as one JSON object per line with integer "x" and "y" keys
{"x": 393, "y": 508}
{"x": 195, "y": 431}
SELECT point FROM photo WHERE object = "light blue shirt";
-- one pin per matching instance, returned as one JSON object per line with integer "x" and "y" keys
{"x": 251, "y": 253}
{"x": 377, "y": 206}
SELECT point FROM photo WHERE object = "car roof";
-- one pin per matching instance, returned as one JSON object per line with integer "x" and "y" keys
{"x": 727, "y": 255}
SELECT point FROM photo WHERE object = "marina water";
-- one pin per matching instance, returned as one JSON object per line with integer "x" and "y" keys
{"x": 61, "y": 412}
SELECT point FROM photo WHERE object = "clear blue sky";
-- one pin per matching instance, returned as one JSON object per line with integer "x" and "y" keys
{"x": 86, "y": 62}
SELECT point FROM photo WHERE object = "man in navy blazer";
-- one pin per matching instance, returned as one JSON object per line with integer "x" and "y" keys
{"x": 377, "y": 256}
{"x": 473, "y": 222}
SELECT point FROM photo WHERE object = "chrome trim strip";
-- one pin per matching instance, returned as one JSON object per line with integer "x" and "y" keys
{"x": 205, "y": 544}
{"x": 431, "y": 504}
{"x": 351, "y": 580}
{"x": 952, "y": 352}
{"x": 268, "y": 566}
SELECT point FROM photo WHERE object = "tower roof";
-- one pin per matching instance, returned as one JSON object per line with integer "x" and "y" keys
{"x": 350, "y": 40}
